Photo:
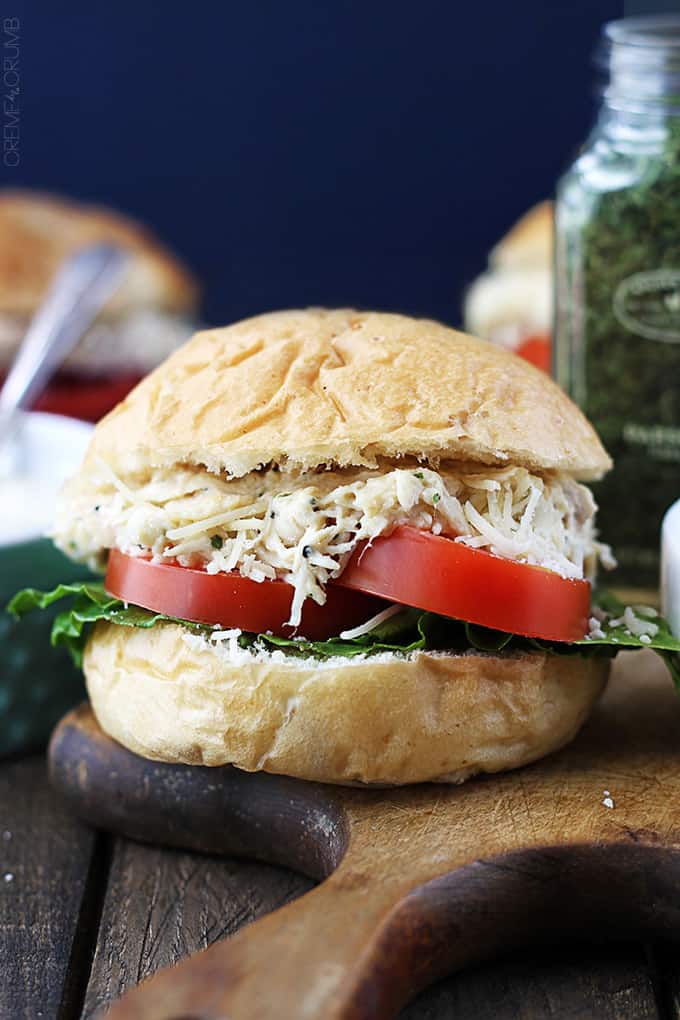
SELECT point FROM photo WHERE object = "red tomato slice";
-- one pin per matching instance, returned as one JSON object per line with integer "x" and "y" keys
{"x": 536, "y": 349}
{"x": 230, "y": 600}
{"x": 435, "y": 573}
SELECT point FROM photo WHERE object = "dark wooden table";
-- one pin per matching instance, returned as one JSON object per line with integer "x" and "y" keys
{"x": 83, "y": 916}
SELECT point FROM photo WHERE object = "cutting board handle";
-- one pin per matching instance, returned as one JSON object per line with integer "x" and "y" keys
{"x": 358, "y": 947}
{"x": 309, "y": 959}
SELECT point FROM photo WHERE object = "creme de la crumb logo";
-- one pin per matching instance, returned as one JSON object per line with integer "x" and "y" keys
{"x": 11, "y": 92}
{"x": 648, "y": 304}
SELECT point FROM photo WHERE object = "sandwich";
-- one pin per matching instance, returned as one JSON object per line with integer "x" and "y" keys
{"x": 343, "y": 546}
{"x": 511, "y": 304}
{"x": 149, "y": 316}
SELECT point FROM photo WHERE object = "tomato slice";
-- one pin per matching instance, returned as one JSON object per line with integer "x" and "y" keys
{"x": 230, "y": 600}
{"x": 536, "y": 349}
{"x": 435, "y": 573}
{"x": 409, "y": 566}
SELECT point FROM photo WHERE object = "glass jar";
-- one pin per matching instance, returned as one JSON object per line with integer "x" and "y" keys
{"x": 617, "y": 328}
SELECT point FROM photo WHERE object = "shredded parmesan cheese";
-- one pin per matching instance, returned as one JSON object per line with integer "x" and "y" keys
{"x": 303, "y": 528}
{"x": 635, "y": 621}
{"x": 230, "y": 652}
{"x": 637, "y": 626}
{"x": 366, "y": 628}
{"x": 595, "y": 631}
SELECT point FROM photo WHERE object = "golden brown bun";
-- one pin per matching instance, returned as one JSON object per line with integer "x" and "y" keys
{"x": 529, "y": 243}
{"x": 385, "y": 720}
{"x": 37, "y": 231}
{"x": 514, "y": 298}
{"x": 309, "y": 388}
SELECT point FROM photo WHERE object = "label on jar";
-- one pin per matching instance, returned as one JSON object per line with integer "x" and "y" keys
{"x": 648, "y": 305}
{"x": 659, "y": 442}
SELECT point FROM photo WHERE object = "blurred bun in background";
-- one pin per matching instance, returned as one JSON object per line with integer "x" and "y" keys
{"x": 152, "y": 312}
{"x": 511, "y": 304}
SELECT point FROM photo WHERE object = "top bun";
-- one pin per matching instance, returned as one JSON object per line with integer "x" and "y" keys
{"x": 529, "y": 243}
{"x": 318, "y": 387}
{"x": 38, "y": 231}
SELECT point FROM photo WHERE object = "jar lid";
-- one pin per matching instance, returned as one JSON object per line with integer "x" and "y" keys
{"x": 642, "y": 59}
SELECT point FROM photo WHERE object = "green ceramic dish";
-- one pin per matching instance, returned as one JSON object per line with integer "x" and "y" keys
{"x": 37, "y": 682}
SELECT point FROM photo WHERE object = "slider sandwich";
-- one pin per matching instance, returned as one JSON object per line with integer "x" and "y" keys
{"x": 344, "y": 546}
{"x": 511, "y": 303}
{"x": 150, "y": 314}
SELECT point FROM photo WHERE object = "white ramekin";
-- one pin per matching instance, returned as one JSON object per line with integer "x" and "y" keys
{"x": 670, "y": 567}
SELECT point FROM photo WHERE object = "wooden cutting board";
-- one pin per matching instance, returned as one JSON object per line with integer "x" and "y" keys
{"x": 415, "y": 882}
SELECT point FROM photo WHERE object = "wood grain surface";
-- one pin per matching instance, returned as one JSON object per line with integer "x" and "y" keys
{"x": 411, "y": 897}
{"x": 569, "y": 982}
{"x": 47, "y": 926}
{"x": 179, "y": 898}
{"x": 161, "y": 905}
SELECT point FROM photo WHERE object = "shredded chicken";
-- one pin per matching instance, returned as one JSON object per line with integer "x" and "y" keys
{"x": 304, "y": 527}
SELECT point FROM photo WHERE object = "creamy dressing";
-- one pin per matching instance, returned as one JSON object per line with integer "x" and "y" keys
{"x": 50, "y": 448}
{"x": 26, "y": 507}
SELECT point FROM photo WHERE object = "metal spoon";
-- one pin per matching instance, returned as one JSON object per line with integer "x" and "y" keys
{"x": 82, "y": 286}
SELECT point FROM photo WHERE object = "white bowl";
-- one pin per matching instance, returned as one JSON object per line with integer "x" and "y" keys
{"x": 51, "y": 447}
{"x": 670, "y": 567}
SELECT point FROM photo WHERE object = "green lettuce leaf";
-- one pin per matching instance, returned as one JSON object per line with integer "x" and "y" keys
{"x": 90, "y": 603}
{"x": 407, "y": 631}
{"x": 617, "y": 635}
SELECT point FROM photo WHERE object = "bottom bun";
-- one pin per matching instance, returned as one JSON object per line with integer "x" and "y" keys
{"x": 173, "y": 696}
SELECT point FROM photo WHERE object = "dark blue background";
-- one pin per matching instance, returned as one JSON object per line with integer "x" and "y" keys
{"x": 311, "y": 151}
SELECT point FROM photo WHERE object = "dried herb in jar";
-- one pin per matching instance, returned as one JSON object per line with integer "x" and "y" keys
{"x": 617, "y": 332}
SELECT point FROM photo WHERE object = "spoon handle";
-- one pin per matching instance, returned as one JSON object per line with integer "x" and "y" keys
{"x": 81, "y": 287}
